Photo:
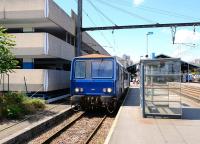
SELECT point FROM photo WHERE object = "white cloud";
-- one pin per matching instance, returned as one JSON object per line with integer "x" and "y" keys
{"x": 166, "y": 31}
{"x": 187, "y": 51}
{"x": 187, "y": 36}
{"x": 138, "y": 2}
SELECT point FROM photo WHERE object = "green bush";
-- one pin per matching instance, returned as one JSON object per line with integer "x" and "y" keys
{"x": 14, "y": 98}
{"x": 38, "y": 103}
{"x": 14, "y": 111}
{"x": 16, "y": 105}
{"x": 33, "y": 105}
{"x": 29, "y": 107}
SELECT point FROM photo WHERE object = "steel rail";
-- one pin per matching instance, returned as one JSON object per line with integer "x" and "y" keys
{"x": 95, "y": 130}
{"x": 55, "y": 135}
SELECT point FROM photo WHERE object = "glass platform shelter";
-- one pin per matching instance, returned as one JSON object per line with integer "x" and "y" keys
{"x": 160, "y": 87}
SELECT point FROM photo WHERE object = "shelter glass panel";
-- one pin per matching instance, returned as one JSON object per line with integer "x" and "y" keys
{"x": 162, "y": 86}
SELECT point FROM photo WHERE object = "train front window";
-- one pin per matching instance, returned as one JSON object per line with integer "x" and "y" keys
{"x": 80, "y": 69}
{"x": 102, "y": 69}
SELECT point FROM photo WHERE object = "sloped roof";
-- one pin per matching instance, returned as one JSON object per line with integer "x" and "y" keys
{"x": 182, "y": 62}
{"x": 95, "y": 56}
{"x": 163, "y": 56}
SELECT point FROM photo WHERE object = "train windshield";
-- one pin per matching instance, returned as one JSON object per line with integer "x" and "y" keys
{"x": 102, "y": 69}
{"x": 80, "y": 69}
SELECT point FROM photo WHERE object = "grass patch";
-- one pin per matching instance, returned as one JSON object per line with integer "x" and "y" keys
{"x": 16, "y": 105}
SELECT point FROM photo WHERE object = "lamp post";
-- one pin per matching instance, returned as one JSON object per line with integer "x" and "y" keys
{"x": 141, "y": 58}
{"x": 188, "y": 68}
{"x": 149, "y": 33}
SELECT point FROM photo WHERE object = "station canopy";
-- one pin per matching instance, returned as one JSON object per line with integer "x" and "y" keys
{"x": 184, "y": 65}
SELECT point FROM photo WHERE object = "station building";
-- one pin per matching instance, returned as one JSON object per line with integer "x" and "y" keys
{"x": 45, "y": 39}
{"x": 185, "y": 66}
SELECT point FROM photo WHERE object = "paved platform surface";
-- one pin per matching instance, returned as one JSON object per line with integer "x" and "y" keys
{"x": 9, "y": 128}
{"x": 191, "y": 84}
{"x": 131, "y": 128}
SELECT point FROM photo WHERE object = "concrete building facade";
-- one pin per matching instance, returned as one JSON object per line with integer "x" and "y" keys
{"x": 45, "y": 45}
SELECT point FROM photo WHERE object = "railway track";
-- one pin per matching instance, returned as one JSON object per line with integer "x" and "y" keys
{"x": 190, "y": 92}
{"x": 95, "y": 130}
{"x": 62, "y": 129}
{"x": 80, "y": 128}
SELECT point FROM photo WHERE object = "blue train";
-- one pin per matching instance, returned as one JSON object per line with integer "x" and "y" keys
{"x": 97, "y": 81}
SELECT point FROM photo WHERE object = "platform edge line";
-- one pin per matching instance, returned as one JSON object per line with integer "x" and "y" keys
{"x": 115, "y": 122}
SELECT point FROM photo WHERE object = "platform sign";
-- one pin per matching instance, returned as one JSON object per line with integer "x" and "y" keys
{"x": 161, "y": 87}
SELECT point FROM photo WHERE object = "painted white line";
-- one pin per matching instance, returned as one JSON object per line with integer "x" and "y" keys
{"x": 57, "y": 98}
{"x": 115, "y": 122}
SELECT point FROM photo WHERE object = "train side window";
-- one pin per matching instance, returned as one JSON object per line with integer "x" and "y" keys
{"x": 80, "y": 69}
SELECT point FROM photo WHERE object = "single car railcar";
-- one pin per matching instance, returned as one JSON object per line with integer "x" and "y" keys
{"x": 97, "y": 81}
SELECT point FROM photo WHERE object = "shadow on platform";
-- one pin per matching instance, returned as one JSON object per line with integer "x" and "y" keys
{"x": 133, "y": 97}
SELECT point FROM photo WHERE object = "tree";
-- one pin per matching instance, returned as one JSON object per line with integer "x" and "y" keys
{"x": 7, "y": 60}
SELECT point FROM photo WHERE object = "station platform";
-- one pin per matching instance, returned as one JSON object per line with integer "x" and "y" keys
{"x": 18, "y": 131}
{"x": 130, "y": 127}
{"x": 191, "y": 84}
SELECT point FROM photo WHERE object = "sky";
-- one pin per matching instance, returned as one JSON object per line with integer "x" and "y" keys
{"x": 133, "y": 42}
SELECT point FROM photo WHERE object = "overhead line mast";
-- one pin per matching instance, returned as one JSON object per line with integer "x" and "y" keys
{"x": 157, "y": 25}
{"x": 80, "y": 29}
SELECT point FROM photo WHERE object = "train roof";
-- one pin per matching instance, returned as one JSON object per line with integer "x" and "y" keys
{"x": 100, "y": 56}
{"x": 95, "y": 56}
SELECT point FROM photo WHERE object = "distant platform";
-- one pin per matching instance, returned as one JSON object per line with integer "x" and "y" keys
{"x": 130, "y": 127}
{"x": 191, "y": 84}
{"x": 18, "y": 131}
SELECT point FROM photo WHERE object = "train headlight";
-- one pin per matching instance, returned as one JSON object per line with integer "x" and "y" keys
{"x": 109, "y": 90}
{"x": 104, "y": 90}
{"x": 81, "y": 89}
{"x": 76, "y": 90}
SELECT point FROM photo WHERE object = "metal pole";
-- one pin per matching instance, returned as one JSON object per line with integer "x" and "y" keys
{"x": 143, "y": 90}
{"x": 3, "y": 84}
{"x": 188, "y": 78}
{"x": 8, "y": 82}
{"x": 147, "y": 48}
{"x": 79, "y": 27}
{"x": 25, "y": 85}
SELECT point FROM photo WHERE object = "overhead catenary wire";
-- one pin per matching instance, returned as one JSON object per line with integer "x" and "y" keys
{"x": 167, "y": 13}
{"x": 98, "y": 10}
{"x": 155, "y": 10}
{"x": 102, "y": 34}
{"x": 126, "y": 11}
{"x": 92, "y": 44}
{"x": 190, "y": 45}
{"x": 114, "y": 41}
